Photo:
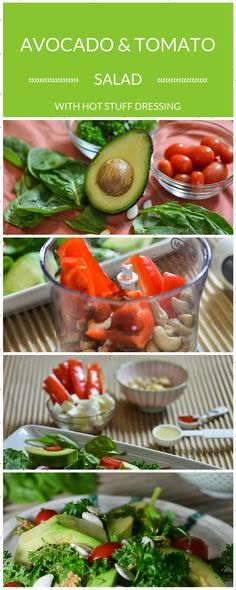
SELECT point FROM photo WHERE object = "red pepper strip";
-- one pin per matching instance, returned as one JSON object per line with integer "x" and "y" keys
{"x": 133, "y": 294}
{"x": 94, "y": 380}
{"x": 56, "y": 390}
{"x": 78, "y": 276}
{"x": 111, "y": 463}
{"x": 58, "y": 373}
{"x": 149, "y": 277}
{"x": 171, "y": 282}
{"x": 77, "y": 247}
{"x": 53, "y": 448}
{"x": 139, "y": 340}
{"x": 77, "y": 377}
{"x": 65, "y": 379}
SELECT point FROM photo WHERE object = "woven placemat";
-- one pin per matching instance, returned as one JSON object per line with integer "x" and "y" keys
{"x": 210, "y": 384}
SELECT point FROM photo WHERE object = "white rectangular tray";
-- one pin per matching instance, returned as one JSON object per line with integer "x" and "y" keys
{"x": 134, "y": 453}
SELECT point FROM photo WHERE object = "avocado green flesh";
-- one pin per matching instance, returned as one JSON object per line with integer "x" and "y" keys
{"x": 200, "y": 573}
{"x": 60, "y": 529}
{"x": 121, "y": 527}
{"x": 135, "y": 147}
{"x": 53, "y": 459}
{"x": 106, "y": 580}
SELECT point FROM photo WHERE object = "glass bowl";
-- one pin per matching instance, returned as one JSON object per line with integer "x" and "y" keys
{"x": 85, "y": 147}
{"x": 87, "y": 424}
{"x": 189, "y": 133}
{"x": 147, "y": 324}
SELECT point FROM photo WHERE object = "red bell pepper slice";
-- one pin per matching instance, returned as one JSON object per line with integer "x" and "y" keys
{"x": 149, "y": 277}
{"x": 77, "y": 248}
{"x": 171, "y": 282}
{"x": 139, "y": 313}
{"x": 65, "y": 376}
{"x": 76, "y": 275}
{"x": 94, "y": 380}
{"x": 78, "y": 378}
{"x": 111, "y": 463}
{"x": 56, "y": 390}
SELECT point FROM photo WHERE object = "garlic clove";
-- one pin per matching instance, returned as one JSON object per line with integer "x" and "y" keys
{"x": 44, "y": 581}
{"x": 92, "y": 518}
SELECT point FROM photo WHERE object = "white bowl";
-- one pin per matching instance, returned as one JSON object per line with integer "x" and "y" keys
{"x": 152, "y": 401}
{"x": 167, "y": 442}
{"x": 216, "y": 485}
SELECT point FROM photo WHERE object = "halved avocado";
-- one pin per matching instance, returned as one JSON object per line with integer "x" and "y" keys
{"x": 107, "y": 579}
{"x": 116, "y": 178}
{"x": 200, "y": 573}
{"x": 54, "y": 459}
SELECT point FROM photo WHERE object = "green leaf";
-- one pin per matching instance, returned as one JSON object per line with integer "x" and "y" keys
{"x": 180, "y": 219}
{"x": 101, "y": 445}
{"x": 26, "y": 182}
{"x": 20, "y": 218}
{"x": 40, "y": 159}
{"x": 15, "y": 151}
{"x": 7, "y": 263}
{"x": 40, "y": 200}
{"x": 13, "y": 459}
{"x": 90, "y": 221}
{"x": 56, "y": 439}
{"x": 67, "y": 182}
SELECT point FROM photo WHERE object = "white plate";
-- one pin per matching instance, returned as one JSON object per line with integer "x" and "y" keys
{"x": 26, "y": 299}
{"x": 215, "y": 533}
{"x": 134, "y": 453}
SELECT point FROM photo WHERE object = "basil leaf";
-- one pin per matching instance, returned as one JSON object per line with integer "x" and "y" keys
{"x": 101, "y": 445}
{"x": 26, "y": 182}
{"x": 90, "y": 221}
{"x": 15, "y": 151}
{"x": 67, "y": 182}
{"x": 20, "y": 218}
{"x": 187, "y": 219}
{"x": 55, "y": 439}
{"x": 40, "y": 159}
{"x": 40, "y": 200}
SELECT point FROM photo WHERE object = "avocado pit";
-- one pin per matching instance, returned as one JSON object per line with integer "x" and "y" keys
{"x": 115, "y": 177}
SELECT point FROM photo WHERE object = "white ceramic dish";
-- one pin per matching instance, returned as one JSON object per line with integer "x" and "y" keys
{"x": 134, "y": 453}
{"x": 152, "y": 401}
{"x": 215, "y": 533}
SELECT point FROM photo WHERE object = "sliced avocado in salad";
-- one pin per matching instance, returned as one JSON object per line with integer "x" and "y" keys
{"x": 117, "y": 176}
{"x": 56, "y": 459}
{"x": 200, "y": 573}
{"x": 59, "y": 529}
{"x": 106, "y": 580}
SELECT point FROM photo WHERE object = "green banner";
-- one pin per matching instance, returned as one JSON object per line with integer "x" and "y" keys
{"x": 118, "y": 60}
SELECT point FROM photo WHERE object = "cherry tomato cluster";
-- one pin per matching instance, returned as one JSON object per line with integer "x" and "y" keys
{"x": 198, "y": 164}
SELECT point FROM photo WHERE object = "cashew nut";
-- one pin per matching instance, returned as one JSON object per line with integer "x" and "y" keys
{"x": 164, "y": 342}
{"x": 160, "y": 315}
{"x": 102, "y": 326}
{"x": 186, "y": 295}
{"x": 151, "y": 347}
{"x": 170, "y": 330}
{"x": 179, "y": 305}
{"x": 87, "y": 344}
{"x": 187, "y": 319}
{"x": 178, "y": 327}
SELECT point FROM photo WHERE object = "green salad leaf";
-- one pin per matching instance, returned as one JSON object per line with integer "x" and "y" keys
{"x": 56, "y": 439}
{"x": 67, "y": 182}
{"x": 41, "y": 159}
{"x": 15, "y": 151}
{"x": 223, "y": 565}
{"x": 23, "y": 488}
{"x": 14, "y": 571}
{"x": 90, "y": 221}
{"x": 172, "y": 218}
{"x": 13, "y": 459}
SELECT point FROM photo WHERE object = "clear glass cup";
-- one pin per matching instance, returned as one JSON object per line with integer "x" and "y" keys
{"x": 161, "y": 323}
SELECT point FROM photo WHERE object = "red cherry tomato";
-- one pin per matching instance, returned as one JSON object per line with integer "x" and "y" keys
{"x": 165, "y": 167}
{"x": 215, "y": 172}
{"x": 174, "y": 148}
{"x": 104, "y": 550}
{"x": 200, "y": 155}
{"x": 111, "y": 463}
{"x": 197, "y": 177}
{"x": 213, "y": 143}
{"x": 182, "y": 177}
{"x": 192, "y": 545}
{"x": 181, "y": 163}
{"x": 13, "y": 584}
{"x": 226, "y": 155}
{"x": 44, "y": 515}
{"x": 171, "y": 281}
{"x": 53, "y": 448}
